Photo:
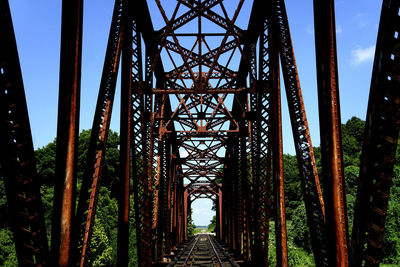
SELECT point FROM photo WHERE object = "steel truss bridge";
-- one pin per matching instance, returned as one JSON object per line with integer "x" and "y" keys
{"x": 201, "y": 118}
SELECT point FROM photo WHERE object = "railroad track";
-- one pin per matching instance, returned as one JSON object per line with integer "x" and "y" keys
{"x": 203, "y": 250}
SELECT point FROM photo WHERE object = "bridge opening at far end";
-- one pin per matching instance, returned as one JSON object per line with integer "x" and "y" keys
{"x": 203, "y": 217}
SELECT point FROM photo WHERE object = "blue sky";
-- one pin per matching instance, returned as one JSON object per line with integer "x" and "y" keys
{"x": 37, "y": 26}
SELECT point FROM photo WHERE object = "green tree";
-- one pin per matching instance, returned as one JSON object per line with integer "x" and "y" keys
{"x": 391, "y": 238}
{"x": 293, "y": 191}
{"x": 8, "y": 255}
{"x": 46, "y": 163}
{"x": 213, "y": 224}
{"x": 190, "y": 226}
{"x": 100, "y": 249}
{"x": 352, "y": 135}
{"x": 104, "y": 239}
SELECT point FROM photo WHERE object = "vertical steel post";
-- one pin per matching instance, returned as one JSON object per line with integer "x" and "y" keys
{"x": 380, "y": 143}
{"x": 67, "y": 130}
{"x": 277, "y": 154}
{"x": 246, "y": 216}
{"x": 261, "y": 136}
{"x": 330, "y": 129}
{"x": 162, "y": 182}
{"x": 180, "y": 211}
{"x": 186, "y": 206}
{"x": 237, "y": 192}
{"x": 143, "y": 140}
{"x": 168, "y": 208}
{"x": 224, "y": 207}
{"x": 88, "y": 195}
{"x": 243, "y": 208}
{"x": 232, "y": 212}
{"x": 17, "y": 159}
{"x": 305, "y": 156}
{"x": 220, "y": 218}
{"x": 125, "y": 143}
{"x": 174, "y": 208}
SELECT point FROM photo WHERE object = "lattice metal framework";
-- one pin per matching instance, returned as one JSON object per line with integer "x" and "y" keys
{"x": 17, "y": 160}
{"x": 201, "y": 118}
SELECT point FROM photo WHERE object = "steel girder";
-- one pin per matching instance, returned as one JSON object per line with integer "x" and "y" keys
{"x": 131, "y": 73}
{"x": 141, "y": 146}
{"x": 269, "y": 63}
{"x": 17, "y": 160}
{"x": 155, "y": 131}
{"x": 86, "y": 210}
{"x": 305, "y": 156}
{"x": 331, "y": 139}
{"x": 380, "y": 143}
{"x": 67, "y": 132}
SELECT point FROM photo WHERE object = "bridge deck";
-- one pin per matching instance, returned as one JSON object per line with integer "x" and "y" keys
{"x": 203, "y": 250}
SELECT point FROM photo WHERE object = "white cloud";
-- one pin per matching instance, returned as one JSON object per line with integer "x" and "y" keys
{"x": 339, "y": 29}
{"x": 362, "y": 20}
{"x": 361, "y": 55}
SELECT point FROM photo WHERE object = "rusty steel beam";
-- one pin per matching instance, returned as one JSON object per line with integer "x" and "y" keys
{"x": 17, "y": 159}
{"x": 168, "y": 186}
{"x": 305, "y": 156}
{"x": 254, "y": 29}
{"x": 232, "y": 170}
{"x": 219, "y": 214}
{"x": 143, "y": 146}
{"x": 174, "y": 207}
{"x": 83, "y": 225}
{"x": 224, "y": 199}
{"x": 243, "y": 197}
{"x": 261, "y": 166}
{"x": 143, "y": 142}
{"x": 145, "y": 26}
{"x": 186, "y": 205}
{"x": 142, "y": 178}
{"x": 181, "y": 212}
{"x": 259, "y": 208}
{"x": 173, "y": 235}
{"x": 194, "y": 91}
{"x": 162, "y": 176}
{"x": 380, "y": 143}
{"x": 129, "y": 59}
{"x": 233, "y": 212}
{"x": 260, "y": 133}
{"x": 330, "y": 130}
{"x": 270, "y": 65}
{"x": 278, "y": 178}
{"x": 171, "y": 153}
{"x": 67, "y": 131}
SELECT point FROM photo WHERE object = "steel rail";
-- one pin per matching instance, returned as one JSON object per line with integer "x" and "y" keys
{"x": 172, "y": 263}
{"x": 214, "y": 251}
{"x": 226, "y": 256}
{"x": 185, "y": 263}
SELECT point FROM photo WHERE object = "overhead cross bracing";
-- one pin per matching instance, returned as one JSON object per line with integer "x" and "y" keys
{"x": 220, "y": 98}
{"x": 200, "y": 47}
{"x": 201, "y": 118}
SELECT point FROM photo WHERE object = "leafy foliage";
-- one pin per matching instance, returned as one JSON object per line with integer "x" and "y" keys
{"x": 299, "y": 245}
{"x": 104, "y": 239}
{"x": 191, "y": 227}
{"x": 8, "y": 256}
{"x": 213, "y": 224}
{"x": 104, "y": 242}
